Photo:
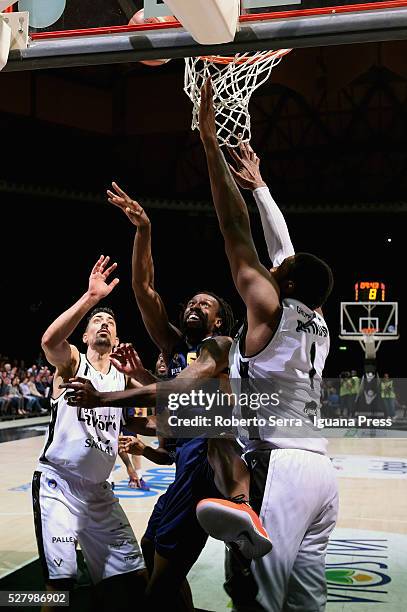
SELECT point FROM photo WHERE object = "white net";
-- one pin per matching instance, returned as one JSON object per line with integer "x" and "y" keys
{"x": 234, "y": 79}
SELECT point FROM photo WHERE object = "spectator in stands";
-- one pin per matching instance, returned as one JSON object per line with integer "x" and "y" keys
{"x": 32, "y": 401}
{"x": 33, "y": 370}
{"x": 23, "y": 391}
{"x": 345, "y": 391}
{"x": 15, "y": 396}
{"x": 333, "y": 404}
{"x": 354, "y": 392}
{"x": 388, "y": 396}
{"x": 6, "y": 371}
{"x": 3, "y": 399}
{"x": 41, "y": 383}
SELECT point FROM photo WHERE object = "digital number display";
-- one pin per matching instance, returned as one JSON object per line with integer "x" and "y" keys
{"x": 370, "y": 291}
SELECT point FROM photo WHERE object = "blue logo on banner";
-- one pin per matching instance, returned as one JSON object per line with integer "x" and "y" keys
{"x": 361, "y": 580}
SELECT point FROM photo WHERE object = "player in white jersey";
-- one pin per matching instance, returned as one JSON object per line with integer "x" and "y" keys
{"x": 73, "y": 502}
{"x": 285, "y": 343}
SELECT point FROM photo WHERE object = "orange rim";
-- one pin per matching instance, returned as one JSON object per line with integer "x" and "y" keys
{"x": 222, "y": 59}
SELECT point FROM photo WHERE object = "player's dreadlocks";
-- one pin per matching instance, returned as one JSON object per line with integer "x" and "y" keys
{"x": 225, "y": 313}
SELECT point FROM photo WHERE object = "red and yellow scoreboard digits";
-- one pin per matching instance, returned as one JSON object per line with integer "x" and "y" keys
{"x": 370, "y": 291}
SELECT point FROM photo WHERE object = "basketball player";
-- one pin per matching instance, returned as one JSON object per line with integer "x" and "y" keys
{"x": 286, "y": 342}
{"x": 72, "y": 500}
{"x": 173, "y": 539}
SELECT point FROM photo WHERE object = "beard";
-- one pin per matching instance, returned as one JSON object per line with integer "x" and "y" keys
{"x": 103, "y": 342}
{"x": 195, "y": 326}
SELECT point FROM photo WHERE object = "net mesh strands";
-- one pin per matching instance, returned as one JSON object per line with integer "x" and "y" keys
{"x": 234, "y": 79}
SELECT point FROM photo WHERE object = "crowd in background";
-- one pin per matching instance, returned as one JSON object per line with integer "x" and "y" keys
{"x": 350, "y": 394}
{"x": 24, "y": 391}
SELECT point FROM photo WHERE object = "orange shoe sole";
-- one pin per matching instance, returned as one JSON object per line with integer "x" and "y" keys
{"x": 238, "y": 523}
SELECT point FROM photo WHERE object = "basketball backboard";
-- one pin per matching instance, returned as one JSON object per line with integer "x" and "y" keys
{"x": 67, "y": 33}
{"x": 369, "y": 323}
{"x": 364, "y": 318}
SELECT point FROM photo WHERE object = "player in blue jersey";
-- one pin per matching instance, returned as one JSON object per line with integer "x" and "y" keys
{"x": 174, "y": 539}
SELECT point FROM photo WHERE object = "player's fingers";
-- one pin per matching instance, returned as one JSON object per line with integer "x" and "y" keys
{"x": 235, "y": 156}
{"x": 209, "y": 86}
{"x": 114, "y": 196}
{"x": 247, "y": 153}
{"x": 117, "y": 364}
{"x": 104, "y": 264}
{"x": 249, "y": 149}
{"x": 97, "y": 264}
{"x": 129, "y": 350}
{"x": 119, "y": 349}
{"x": 234, "y": 172}
{"x": 75, "y": 386}
{"x": 124, "y": 438}
{"x": 119, "y": 190}
{"x": 110, "y": 270}
{"x": 113, "y": 284}
{"x": 72, "y": 401}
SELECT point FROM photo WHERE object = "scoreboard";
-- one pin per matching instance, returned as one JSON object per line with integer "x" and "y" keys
{"x": 370, "y": 291}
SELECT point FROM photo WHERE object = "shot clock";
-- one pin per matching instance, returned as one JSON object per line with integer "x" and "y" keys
{"x": 370, "y": 291}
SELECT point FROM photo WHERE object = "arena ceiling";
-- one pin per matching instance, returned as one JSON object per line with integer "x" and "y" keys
{"x": 330, "y": 127}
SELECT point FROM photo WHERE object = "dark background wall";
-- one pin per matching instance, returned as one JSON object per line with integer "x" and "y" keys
{"x": 330, "y": 127}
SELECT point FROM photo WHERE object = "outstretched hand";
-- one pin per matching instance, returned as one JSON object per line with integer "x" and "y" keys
{"x": 247, "y": 171}
{"x": 207, "y": 123}
{"x": 98, "y": 287}
{"x": 131, "y": 208}
{"x": 131, "y": 445}
{"x": 126, "y": 360}
{"x": 81, "y": 393}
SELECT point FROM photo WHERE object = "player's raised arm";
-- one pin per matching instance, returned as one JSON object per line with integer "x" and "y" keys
{"x": 152, "y": 308}
{"x": 246, "y": 172}
{"x": 258, "y": 289}
{"x": 54, "y": 342}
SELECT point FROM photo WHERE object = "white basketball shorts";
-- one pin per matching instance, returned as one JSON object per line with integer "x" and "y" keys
{"x": 295, "y": 492}
{"x": 68, "y": 511}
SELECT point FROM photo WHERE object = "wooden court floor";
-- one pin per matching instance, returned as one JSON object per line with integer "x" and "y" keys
{"x": 367, "y": 556}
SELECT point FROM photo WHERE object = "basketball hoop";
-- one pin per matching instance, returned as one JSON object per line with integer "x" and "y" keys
{"x": 369, "y": 331}
{"x": 234, "y": 79}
